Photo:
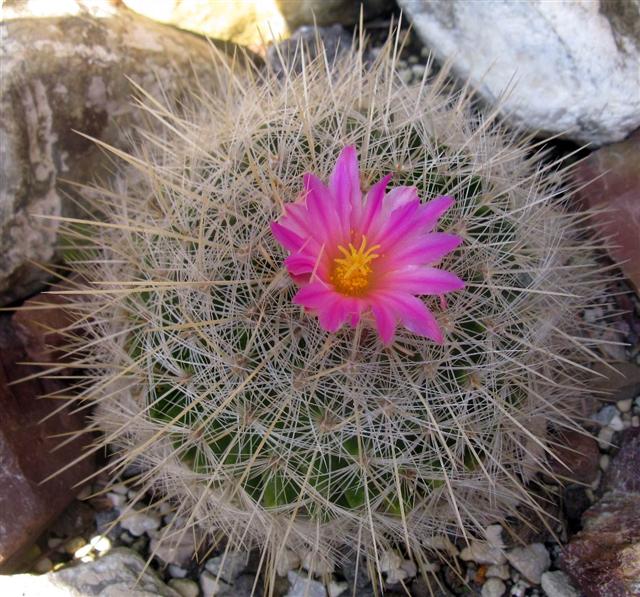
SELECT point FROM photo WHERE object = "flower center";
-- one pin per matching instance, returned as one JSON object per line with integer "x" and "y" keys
{"x": 351, "y": 274}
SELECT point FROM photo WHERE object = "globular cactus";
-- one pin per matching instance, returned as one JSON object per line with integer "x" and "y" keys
{"x": 239, "y": 409}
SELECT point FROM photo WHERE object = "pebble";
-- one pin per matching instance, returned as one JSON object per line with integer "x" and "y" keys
{"x": 624, "y": 406}
{"x": 73, "y": 545}
{"x": 100, "y": 543}
{"x": 605, "y": 435}
{"x": 557, "y": 584}
{"x": 117, "y": 499}
{"x": 43, "y": 565}
{"x": 494, "y": 587}
{"x": 287, "y": 560}
{"x": 210, "y": 586}
{"x": 531, "y": 561}
{"x": 616, "y": 423}
{"x": 519, "y": 589}
{"x": 138, "y": 523}
{"x": 605, "y": 414}
{"x": 604, "y": 461}
{"x": 336, "y": 589}
{"x": 120, "y": 488}
{"x": 302, "y": 586}
{"x": 228, "y": 566}
{"x": 635, "y": 421}
{"x": 418, "y": 70}
{"x": 486, "y": 552}
{"x": 389, "y": 560}
{"x": 186, "y": 587}
{"x": 84, "y": 551}
{"x": 173, "y": 553}
{"x": 54, "y": 542}
{"x": 498, "y": 571}
{"x": 312, "y": 561}
{"x": 176, "y": 571}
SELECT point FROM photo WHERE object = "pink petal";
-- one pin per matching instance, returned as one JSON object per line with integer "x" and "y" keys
{"x": 414, "y": 314}
{"x": 431, "y": 211}
{"x": 395, "y": 228}
{"x": 314, "y": 295}
{"x": 398, "y": 196}
{"x": 429, "y": 248}
{"x": 373, "y": 203}
{"x": 422, "y": 280}
{"x": 344, "y": 184}
{"x": 300, "y": 263}
{"x": 288, "y": 239}
{"x": 385, "y": 321}
{"x": 322, "y": 215}
{"x": 332, "y": 314}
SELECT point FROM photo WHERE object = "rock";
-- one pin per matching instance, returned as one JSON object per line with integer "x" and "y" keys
{"x": 575, "y": 63}
{"x": 174, "y": 550}
{"x": 494, "y": 587}
{"x": 623, "y": 472}
{"x": 577, "y": 456}
{"x": 328, "y": 12}
{"x": 558, "y": 584}
{"x": 490, "y": 551}
{"x": 66, "y": 74}
{"x": 303, "y": 586}
{"x": 43, "y": 565}
{"x": 138, "y": 523}
{"x": 287, "y": 560}
{"x": 112, "y": 575}
{"x": 604, "y": 558}
{"x": 531, "y": 561}
{"x": 612, "y": 180}
{"x": 210, "y": 586}
{"x": 498, "y": 571}
{"x": 250, "y": 22}
{"x": 228, "y": 566}
{"x": 185, "y": 587}
{"x": 27, "y": 455}
{"x": 335, "y": 589}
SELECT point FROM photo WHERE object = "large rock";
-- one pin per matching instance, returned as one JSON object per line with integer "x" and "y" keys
{"x": 119, "y": 572}
{"x": 66, "y": 74}
{"x": 575, "y": 64}
{"x": 604, "y": 558}
{"x": 27, "y": 455}
{"x": 610, "y": 181}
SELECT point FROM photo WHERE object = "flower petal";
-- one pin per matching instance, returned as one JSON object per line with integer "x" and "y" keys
{"x": 288, "y": 239}
{"x": 431, "y": 211}
{"x": 385, "y": 321}
{"x": 373, "y": 204}
{"x": 422, "y": 280}
{"x": 344, "y": 184}
{"x": 414, "y": 314}
{"x": 426, "y": 249}
{"x": 322, "y": 214}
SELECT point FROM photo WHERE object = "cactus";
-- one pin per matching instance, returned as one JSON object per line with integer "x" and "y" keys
{"x": 247, "y": 417}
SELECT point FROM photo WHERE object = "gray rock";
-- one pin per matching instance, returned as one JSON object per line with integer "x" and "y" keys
{"x": 228, "y": 566}
{"x": 558, "y": 584}
{"x": 303, "y": 586}
{"x": 494, "y": 587}
{"x": 575, "y": 63}
{"x": 211, "y": 586}
{"x": 172, "y": 550}
{"x": 138, "y": 523}
{"x": 118, "y": 573}
{"x": 531, "y": 561}
{"x": 67, "y": 74}
{"x": 184, "y": 586}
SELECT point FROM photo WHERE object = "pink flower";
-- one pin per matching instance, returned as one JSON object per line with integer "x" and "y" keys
{"x": 352, "y": 256}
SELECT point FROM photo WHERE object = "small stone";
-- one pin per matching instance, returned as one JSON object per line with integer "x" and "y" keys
{"x": 337, "y": 588}
{"x": 557, "y": 584}
{"x": 624, "y": 406}
{"x": 405, "y": 76}
{"x": 519, "y": 589}
{"x": 498, "y": 571}
{"x": 494, "y": 587}
{"x": 313, "y": 562}
{"x": 73, "y": 545}
{"x": 287, "y": 560}
{"x": 43, "y": 565}
{"x": 605, "y": 435}
{"x": 486, "y": 552}
{"x": 186, "y": 587}
{"x": 54, "y": 542}
{"x": 389, "y": 560}
{"x": 83, "y": 552}
{"x": 418, "y": 70}
{"x": 176, "y": 571}
{"x": 303, "y": 586}
{"x": 210, "y": 586}
{"x": 635, "y": 421}
{"x": 604, "y": 462}
{"x": 531, "y": 561}
{"x": 100, "y": 543}
{"x": 413, "y": 59}
{"x": 120, "y": 488}
{"x": 117, "y": 499}
{"x": 605, "y": 414}
{"x": 616, "y": 423}
{"x": 228, "y": 566}
{"x": 138, "y": 523}
{"x": 126, "y": 538}
{"x": 170, "y": 552}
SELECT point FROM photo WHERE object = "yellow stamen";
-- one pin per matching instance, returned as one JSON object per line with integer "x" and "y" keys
{"x": 351, "y": 274}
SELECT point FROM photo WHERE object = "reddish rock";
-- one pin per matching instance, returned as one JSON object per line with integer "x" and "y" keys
{"x": 623, "y": 473}
{"x": 578, "y": 456}
{"x": 613, "y": 178}
{"x": 604, "y": 558}
{"x": 27, "y": 455}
